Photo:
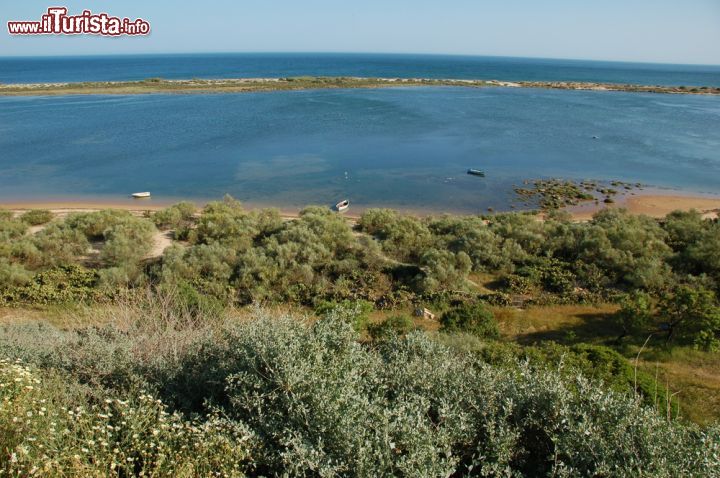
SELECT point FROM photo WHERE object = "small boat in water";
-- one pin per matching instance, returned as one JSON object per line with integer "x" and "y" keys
{"x": 141, "y": 195}
{"x": 342, "y": 205}
{"x": 476, "y": 172}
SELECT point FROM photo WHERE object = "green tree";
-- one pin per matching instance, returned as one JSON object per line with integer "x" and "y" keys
{"x": 683, "y": 228}
{"x": 702, "y": 256}
{"x": 635, "y": 314}
{"x": 691, "y": 313}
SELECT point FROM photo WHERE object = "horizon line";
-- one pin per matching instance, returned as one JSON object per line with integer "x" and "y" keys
{"x": 466, "y": 55}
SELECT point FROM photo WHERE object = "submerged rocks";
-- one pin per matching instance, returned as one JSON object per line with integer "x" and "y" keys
{"x": 552, "y": 194}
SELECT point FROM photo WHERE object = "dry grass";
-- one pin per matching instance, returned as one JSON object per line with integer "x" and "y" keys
{"x": 693, "y": 374}
{"x": 66, "y": 316}
{"x": 421, "y": 323}
{"x": 561, "y": 323}
{"x": 482, "y": 282}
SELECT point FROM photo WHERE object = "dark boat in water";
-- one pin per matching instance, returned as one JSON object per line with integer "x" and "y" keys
{"x": 476, "y": 172}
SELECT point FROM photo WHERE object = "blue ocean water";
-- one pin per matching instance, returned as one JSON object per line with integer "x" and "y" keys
{"x": 138, "y": 67}
{"x": 404, "y": 147}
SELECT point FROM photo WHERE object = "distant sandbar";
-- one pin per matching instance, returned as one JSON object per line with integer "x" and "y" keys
{"x": 243, "y": 85}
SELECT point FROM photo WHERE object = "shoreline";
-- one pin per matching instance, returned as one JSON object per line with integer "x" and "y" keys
{"x": 61, "y": 208}
{"x": 654, "y": 203}
{"x": 247, "y": 85}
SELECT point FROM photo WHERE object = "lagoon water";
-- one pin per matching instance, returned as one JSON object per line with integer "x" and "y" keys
{"x": 404, "y": 147}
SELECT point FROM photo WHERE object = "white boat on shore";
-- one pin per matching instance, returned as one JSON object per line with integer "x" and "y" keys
{"x": 342, "y": 205}
{"x": 141, "y": 195}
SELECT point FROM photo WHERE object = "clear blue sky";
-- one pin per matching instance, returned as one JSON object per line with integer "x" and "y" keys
{"x": 633, "y": 30}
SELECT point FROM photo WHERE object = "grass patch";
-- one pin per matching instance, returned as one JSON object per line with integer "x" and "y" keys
{"x": 693, "y": 374}
{"x": 567, "y": 324}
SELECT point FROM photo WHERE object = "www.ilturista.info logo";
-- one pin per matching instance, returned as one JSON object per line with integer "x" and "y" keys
{"x": 58, "y": 22}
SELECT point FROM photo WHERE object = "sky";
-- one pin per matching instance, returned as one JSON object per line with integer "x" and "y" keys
{"x": 661, "y": 31}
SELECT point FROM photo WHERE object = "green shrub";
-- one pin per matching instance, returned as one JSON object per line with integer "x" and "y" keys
{"x": 36, "y": 217}
{"x": 62, "y": 284}
{"x": 117, "y": 278}
{"x": 314, "y": 397}
{"x": 403, "y": 237}
{"x": 12, "y": 274}
{"x": 603, "y": 365}
{"x": 518, "y": 284}
{"x": 255, "y": 256}
{"x": 471, "y": 318}
{"x": 176, "y": 216}
{"x": 94, "y": 224}
{"x": 443, "y": 270}
{"x": 472, "y": 236}
{"x": 56, "y": 245}
{"x": 630, "y": 249}
{"x": 196, "y": 304}
{"x": 496, "y": 298}
{"x": 299, "y": 399}
{"x": 225, "y": 222}
{"x": 355, "y": 313}
{"x": 393, "y": 325}
{"x": 11, "y": 229}
{"x": 127, "y": 241}
{"x": 313, "y": 258}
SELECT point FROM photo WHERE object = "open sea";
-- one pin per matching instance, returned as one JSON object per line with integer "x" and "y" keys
{"x": 402, "y": 147}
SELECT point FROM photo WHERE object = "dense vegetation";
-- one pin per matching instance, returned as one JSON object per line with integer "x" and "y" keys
{"x": 350, "y": 394}
{"x": 665, "y": 273}
{"x": 163, "y": 395}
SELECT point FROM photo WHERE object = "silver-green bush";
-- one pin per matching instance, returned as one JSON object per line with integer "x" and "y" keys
{"x": 318, "y": 402}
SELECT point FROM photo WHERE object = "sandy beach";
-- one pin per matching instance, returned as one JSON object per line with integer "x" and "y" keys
{"x": 658, "y": 206}
{"x": 654, "y": 204}
{"x": 138, "y": 207}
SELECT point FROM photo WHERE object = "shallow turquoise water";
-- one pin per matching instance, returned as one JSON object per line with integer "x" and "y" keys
{"x": 405, "y": 147}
